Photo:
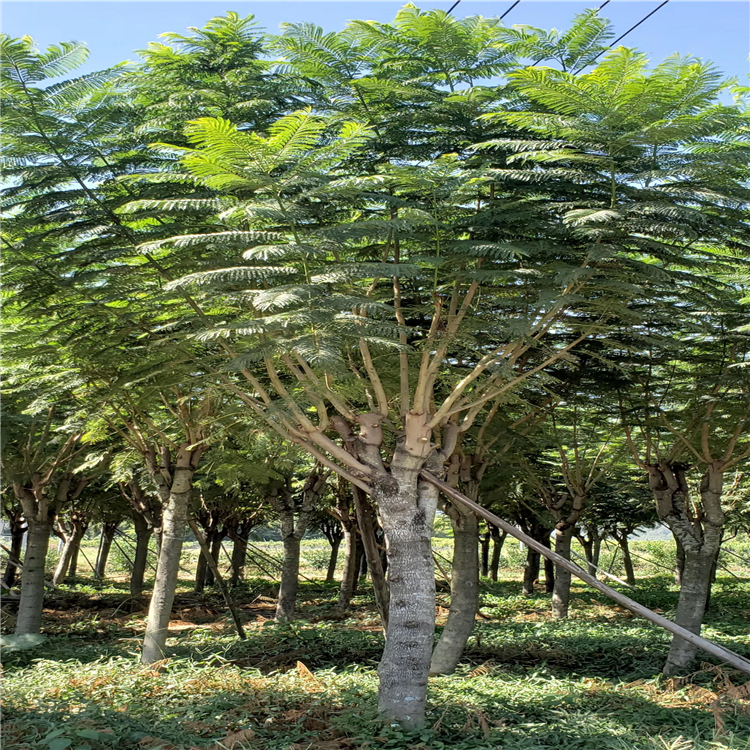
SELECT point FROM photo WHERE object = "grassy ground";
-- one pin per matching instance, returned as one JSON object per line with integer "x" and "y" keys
{"x": 589, "y": 683}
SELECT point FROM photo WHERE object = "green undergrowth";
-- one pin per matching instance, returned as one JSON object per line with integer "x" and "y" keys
{"x": 587, "y": 683}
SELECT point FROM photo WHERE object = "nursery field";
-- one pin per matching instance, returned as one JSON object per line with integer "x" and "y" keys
{"x": 525, "y": 681}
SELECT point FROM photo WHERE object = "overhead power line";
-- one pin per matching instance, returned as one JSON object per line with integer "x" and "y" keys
{"x": 509, "y": 9}
{"x": 632, "y": 28}
{"x": 450, "y": 10}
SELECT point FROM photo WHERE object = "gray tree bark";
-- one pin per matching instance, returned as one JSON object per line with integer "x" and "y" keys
{"x": 464, "y": 591}
{"x": 175, "y": 486}
{"x": 333, "y": 560}
{"x": 561, "y": 590}
{"x": 530, "y": 571}
{"x": 407, "y": 509}
{"x": 627, "y": 560}
{"x": 30, "y": 606}
{"x": 72, "y": 531}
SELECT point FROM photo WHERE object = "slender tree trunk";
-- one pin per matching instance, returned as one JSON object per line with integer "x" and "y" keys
{"x": 696, "y": 582}
{"x": 561, "y": 591}
{"x": 17, "y": 531}
{"x": 351, "y": 568}
{"x": 292, "y": 533}
{"x": 73, "y": 568}
{"x": 30, "y": 606}
{"x": 143, "y": 533}
{"x": 174, "y": 524}
{"x": 105, "y": 544}
{"x": 201, "y": 570}
{"x": 331, "y": 572}
{"x": 407, "y": 508}
{"x": 464, "y": 592}
{"x": 371, "y": 556}
{"x": 65, "y": 567}
{"x": 549, "y": 574}
{"x": 484, "y": 542}
{"x": 498, "y": 540}
{"x": 530, "y": 571}
{"x": 289, "y": 578}
{"x": 215, "y": 547}
{"x": 627, "y": 560}
{"x": 239, "y": 558}
{"x": 359, "y": 563}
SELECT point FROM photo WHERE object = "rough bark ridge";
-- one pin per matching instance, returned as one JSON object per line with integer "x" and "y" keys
{"x": 699, "y": 535}
{"x": 174, "y": 483}
{"x": 292, "y": 531}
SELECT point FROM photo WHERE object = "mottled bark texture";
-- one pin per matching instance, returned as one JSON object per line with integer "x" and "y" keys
{"x": 699, "y": 534}
{"x": 293, "y": 529}
{"x": 174, "y": 481}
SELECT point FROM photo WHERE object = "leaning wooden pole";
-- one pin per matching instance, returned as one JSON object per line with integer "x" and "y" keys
{"x": 714, "y": 649}
{"x": 217, "y": 577}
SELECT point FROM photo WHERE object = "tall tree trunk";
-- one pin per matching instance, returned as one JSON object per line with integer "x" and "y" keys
{"x": 627, "y": 560}
{"x": 351, "y": 568}
{"x": 17, "y": 531}
{"x": 331, "y": 572}
{"x": 498, "y": 540}
{"x": 143, "y": 531}
{"x": 30, "y": 606}
{"x": 174, "y": 524}
{"x": 561, "y": 591}
{"x": 74, "y": 555}
{"x": 530, "y": 571}
{"x": 407, "y": 509}
{"x": 464, "y": 592}
{"x": 105, "y": 544}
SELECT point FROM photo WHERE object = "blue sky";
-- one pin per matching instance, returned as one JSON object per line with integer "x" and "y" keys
{"x": 716, "y": 30}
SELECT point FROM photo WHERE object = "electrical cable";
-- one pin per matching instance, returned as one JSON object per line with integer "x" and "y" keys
{"x": 509, "y": 9}
{"x": 450, "y": 10}
{"x": 632, "y": 28}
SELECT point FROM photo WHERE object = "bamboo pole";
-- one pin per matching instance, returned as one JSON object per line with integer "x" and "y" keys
{"x": 714, "y": 649}
{"x": 217, "y": 576}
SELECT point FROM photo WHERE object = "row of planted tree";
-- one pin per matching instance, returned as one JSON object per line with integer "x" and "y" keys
{"x": 251, "y": 266}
